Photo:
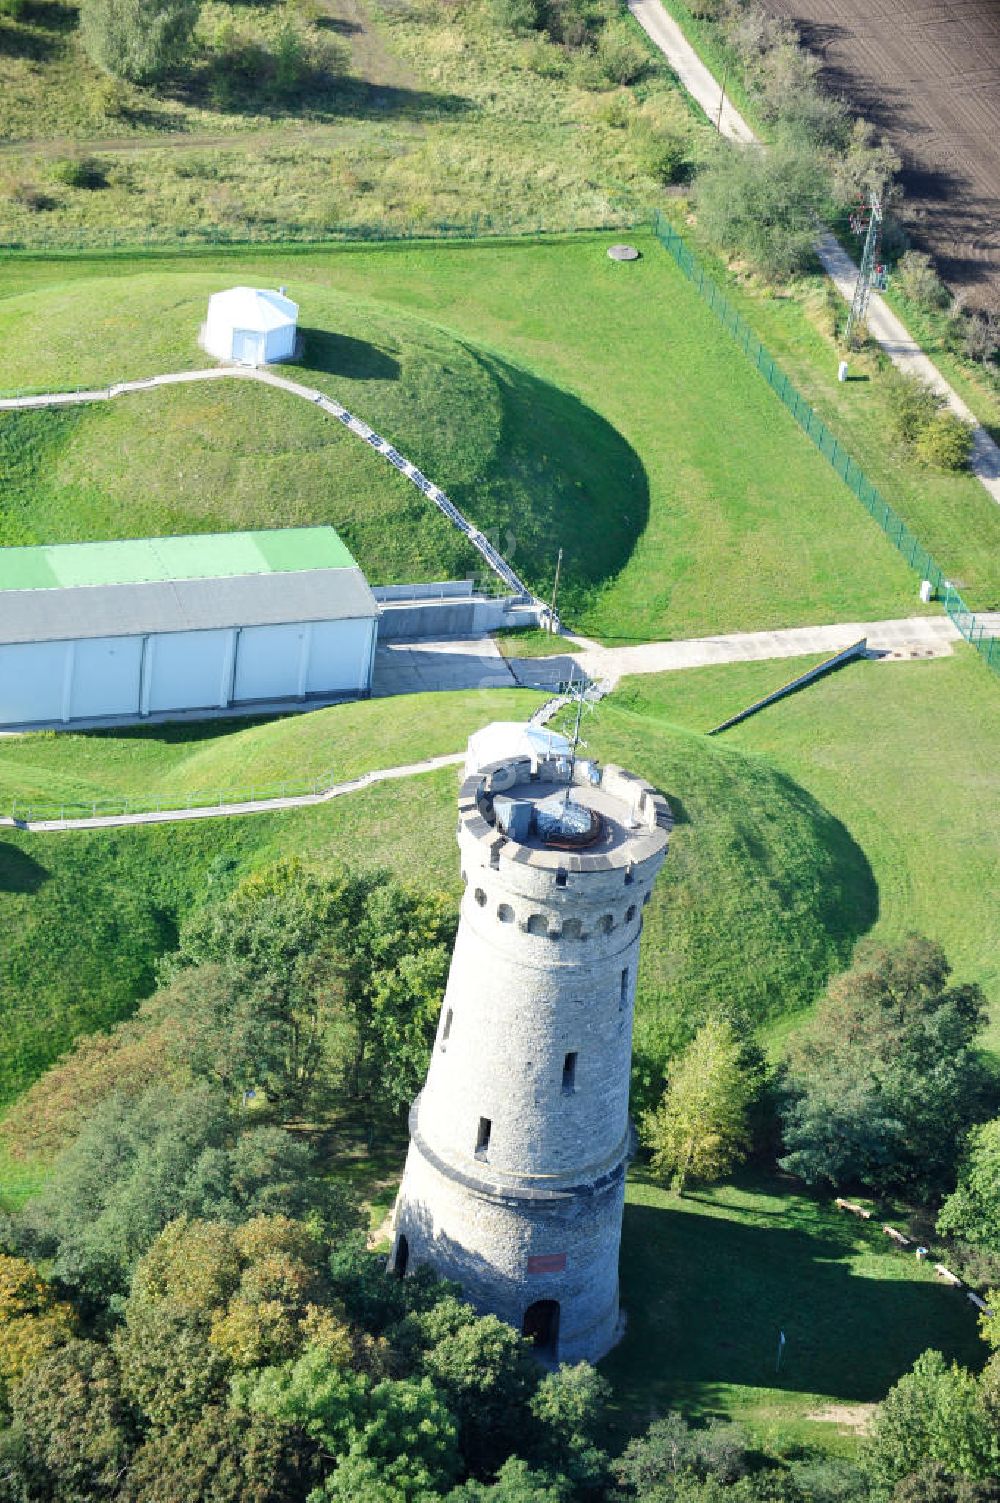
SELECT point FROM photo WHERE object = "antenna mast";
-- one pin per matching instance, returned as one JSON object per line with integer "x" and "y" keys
{"x": 872, "y": 272}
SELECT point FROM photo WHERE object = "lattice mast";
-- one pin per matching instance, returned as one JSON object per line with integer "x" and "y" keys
{"x": 866, "y": 219}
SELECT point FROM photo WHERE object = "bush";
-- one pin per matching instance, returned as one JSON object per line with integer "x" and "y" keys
{"x": 80, "y": 172}
{"x": 912, "y": 405}
{"x": 517, "y": 16}
{"x": 13, "y": 9}
{"x": 945, "y": 442}
{"x": 763, "y": 205}
{"x": 663, "y": 155}
{"x": 139, "y": 40}
{"x": 29, "y": 196}
{"x": 919, "y": 282}
{"x": 622, "y": 57}
{"x": 981, "y": 337}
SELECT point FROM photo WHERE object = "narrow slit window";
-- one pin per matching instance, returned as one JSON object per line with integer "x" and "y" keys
{"x": 560, "y": 878}
{"x": 483, "y": 1136}
{"x": 623, "y": 1002}
{"x": 569, "y": 1074}
{"x": 446, "y": 1031}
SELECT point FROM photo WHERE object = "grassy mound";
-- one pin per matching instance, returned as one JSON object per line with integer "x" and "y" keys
{"x": 763, "y": 892}
{"x": 762, "y": 896}
{"x": 527, "y": 461}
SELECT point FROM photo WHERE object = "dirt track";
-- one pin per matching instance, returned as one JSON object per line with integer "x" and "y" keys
{"x": 928, "y": 75}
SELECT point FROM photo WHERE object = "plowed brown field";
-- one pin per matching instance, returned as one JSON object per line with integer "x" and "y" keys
{"x": 928, "y": 75}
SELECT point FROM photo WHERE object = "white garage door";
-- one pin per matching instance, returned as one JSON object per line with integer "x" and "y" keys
{"x": 106, "y": 677}
{"x": 31, "y": 682}
{"x": 187, "y": 670}
{"x": 267, "y": 662}
{"x": 339, "y": 657}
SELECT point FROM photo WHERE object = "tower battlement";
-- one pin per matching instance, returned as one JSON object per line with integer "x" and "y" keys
{"x": 514, "y": 1182}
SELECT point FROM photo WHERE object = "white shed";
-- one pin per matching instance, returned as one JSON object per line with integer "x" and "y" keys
{"x": 250, "y": 325}
{"x": 155, "y": 626}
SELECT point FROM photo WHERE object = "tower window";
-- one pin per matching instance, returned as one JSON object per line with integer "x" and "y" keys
{"x": 446, "y": 1030}
{"x": 480, "y": 897}
{"x": 560, "y": 878}
{"x": 630, "y": 915}
{"x": 505, "y": 913}
{"x": 569, "y": 1073}
{"x": 629, "y": 877}
{"x": 483, "y": 1136}
{"x": 624, "y": 996}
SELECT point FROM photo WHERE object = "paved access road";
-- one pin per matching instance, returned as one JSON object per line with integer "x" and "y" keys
{"x": 883, "y": 324}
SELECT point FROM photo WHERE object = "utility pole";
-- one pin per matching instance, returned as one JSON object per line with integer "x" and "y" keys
{"x": 722, "y": 98}
{"x": 872, "y": 272}
{"x": 555, "y": 593}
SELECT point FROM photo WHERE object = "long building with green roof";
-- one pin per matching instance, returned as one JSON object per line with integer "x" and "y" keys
{"x": 157, "y": 626}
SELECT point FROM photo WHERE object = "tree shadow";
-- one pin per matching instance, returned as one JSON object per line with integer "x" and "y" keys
{"x": 338, "y": 25}
{"x": 341, "y": 355}
{"x": 20, "y": 872}
{"x": 19, "y": 41}
{"x": 707, "y": 1295}
{"x": 50, "y": 15}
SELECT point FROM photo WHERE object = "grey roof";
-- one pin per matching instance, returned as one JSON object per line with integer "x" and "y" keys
{"x": 125, "y": 610}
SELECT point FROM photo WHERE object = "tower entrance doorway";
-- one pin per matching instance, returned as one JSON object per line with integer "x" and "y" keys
{"x": 401, "y": 1259}
{"x": 541, "y": 1326}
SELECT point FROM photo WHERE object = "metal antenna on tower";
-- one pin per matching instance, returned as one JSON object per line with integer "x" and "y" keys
{"x": 581, "y": 692}
{"x": 872, "y": 272}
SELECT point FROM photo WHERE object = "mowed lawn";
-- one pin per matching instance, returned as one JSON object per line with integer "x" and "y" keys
{"x": 618, "y": 377}
{"x": 170, "y": 764}
{"x": 711, "y": 1278}
{"x": 904, "y": 754}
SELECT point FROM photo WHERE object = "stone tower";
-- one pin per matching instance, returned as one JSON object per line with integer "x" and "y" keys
{"x": 515, "y": 1178}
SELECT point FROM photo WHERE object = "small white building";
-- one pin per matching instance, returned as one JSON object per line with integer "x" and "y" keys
{"x": 157, "y": 626}
{"x": 250, "y": 325}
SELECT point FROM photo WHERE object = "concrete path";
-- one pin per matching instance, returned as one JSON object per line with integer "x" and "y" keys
{"x": 913, "y": 637}
{"x": 380, "y": 445}
{"x": 254, "y": 806}
{"x": 883, "y": 324}
{"x": 418, "y": 667}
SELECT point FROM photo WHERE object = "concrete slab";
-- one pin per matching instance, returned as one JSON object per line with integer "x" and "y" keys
{"x": 452, "y": 663}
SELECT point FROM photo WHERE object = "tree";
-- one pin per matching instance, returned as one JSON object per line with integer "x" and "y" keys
{"x": 919, "y": 282}
{"x": 516, "y": 1482}
{"x": 885, "y": 1080}
{"x": 139, "y": 40}
{"x": 981, "y": 336}
{"x": 934, "y": 1413}
{"x": 671, "y": 1449}
{"x": 484, "y": 1372}
{"x": 33, "y": 1321}
{"x": 405, "y": 1447}
{"x": 945, "y": 442}
{"x": 933, "y": 1483}
{"x": 972, "y": 1211}
{"x": 763, "y": 205}
{"x": 76, "y": 1432}
{"x": 223, "y": 1457}
{"x": 137, "y": 1164}
{"x": 569, "y": 1408}
{"x": 700, "y": 1128}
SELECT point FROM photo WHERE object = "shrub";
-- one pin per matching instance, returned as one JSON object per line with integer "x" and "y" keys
{"x": 919, "y": 282}
{"x": 80, "y": 172}
{"x": 945, "y": 442}
{"x": 14, "y": 9}
{"x": 139, "y": 40}
{"x": 981, "y": 336}
{"x": 517, "y": 16}
{"x": 661, "y": 154}
{"x": 568, "y": 22}
{"x": 763, "y": 205}
{"x": 29, "y": 196}
{"x": 621, "y": 56}
{"x": 912, "y": 405}
{"x": 544, "y": 59}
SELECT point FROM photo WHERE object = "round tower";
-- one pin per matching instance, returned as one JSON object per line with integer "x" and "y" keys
{"x": 515, "y": 1178}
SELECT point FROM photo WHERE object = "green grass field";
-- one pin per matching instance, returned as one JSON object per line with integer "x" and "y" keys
{"x": 562, "y": 400}
{"x": 416, "y": 115}
{"x": 764, "y": 894}
{"x": 169, "y": 764}
{"x": 710, "y": 1279}
{"x": 904, "y": 755}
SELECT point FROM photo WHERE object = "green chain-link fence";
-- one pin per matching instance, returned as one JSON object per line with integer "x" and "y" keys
{"x": 895, "y": 529}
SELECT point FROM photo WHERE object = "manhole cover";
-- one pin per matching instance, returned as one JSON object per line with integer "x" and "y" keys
{"x": 623, "y": 253}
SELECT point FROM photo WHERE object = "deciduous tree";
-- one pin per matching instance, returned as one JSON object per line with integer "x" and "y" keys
{"x": 700, "y": 1129}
